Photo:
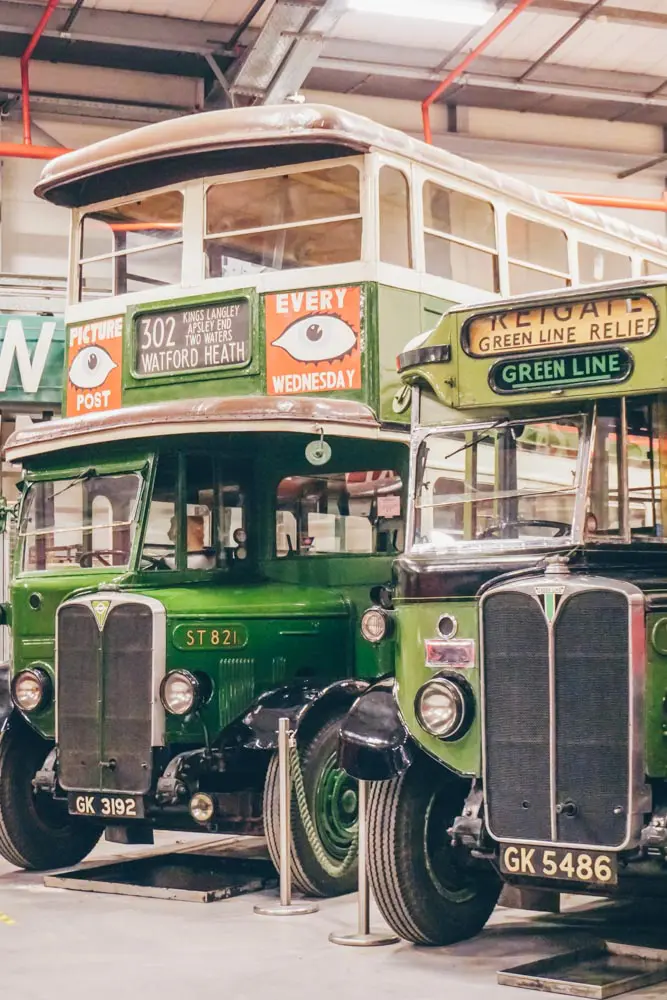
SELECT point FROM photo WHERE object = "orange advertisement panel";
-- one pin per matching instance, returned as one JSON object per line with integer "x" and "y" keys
{"x": 313, "y": 341}
{"x": 94, "y": 366}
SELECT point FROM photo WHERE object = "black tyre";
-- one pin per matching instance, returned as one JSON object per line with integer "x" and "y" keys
{"x": 35, "y": 831}
{"x": 425, "y": 889}
{"x": 332, "y": 801}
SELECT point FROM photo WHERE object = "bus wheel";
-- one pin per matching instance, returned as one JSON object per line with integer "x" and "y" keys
{"x": 327, "y": 867}
{"x": 35, "y": 831}
{"x": 423, "y": 888}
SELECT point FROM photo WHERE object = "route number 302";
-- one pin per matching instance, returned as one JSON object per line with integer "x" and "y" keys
{"x": 580, "y": 866}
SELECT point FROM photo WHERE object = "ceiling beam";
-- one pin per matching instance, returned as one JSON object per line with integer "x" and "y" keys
{"x": 617, "y": 15}
{"x": 498, "y": 82}
{"x": 111, "y": 27}
{"x": 287, "y": 48}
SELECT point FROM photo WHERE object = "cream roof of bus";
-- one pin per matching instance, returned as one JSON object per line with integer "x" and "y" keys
{"x": 300, "y": 415}
{"x": 238, "y": 130}
{"x": 553, "y": 296}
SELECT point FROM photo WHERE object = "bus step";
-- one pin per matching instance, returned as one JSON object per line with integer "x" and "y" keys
{"x": 598, "y": 971}
{"x": 193, "y": 876}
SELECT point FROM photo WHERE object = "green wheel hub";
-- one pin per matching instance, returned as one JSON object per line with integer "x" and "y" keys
{"x": 336, "y": 809}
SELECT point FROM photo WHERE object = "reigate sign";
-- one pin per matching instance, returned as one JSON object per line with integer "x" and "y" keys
{"x": 594, "y": 322}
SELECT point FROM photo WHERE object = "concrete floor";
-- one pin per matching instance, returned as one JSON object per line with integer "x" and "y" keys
{"x": 65, "y": 944}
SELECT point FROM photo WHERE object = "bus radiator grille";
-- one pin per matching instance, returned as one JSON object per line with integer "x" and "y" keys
{"x": 78, "y": 696}
{"x": 587, "y": 725}
{"x": 516, "y": 690}
{"x": 104, "y": 696}
{"x": 128, "y": 669}
{"x": 592, "y": 716}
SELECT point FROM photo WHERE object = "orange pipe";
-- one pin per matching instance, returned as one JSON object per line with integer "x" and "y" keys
{"x": 610, "y": 201}
{"x": 25, "y": 60}
{"x": 462, "y": 66}
{"x": 26, "y": 151}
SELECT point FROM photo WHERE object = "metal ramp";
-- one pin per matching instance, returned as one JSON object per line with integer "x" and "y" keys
{"x": 598, "y": 971}
{"x": 229, "y": 867}
{"x": 621, "y": 946}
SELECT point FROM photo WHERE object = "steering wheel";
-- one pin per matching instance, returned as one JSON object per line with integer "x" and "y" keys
{"x": 496, "y": 529}
{"x": 86, "y": 560}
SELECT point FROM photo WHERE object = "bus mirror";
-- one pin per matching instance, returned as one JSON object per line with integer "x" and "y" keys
{"x": 382, "y": 596}
{"x": 318, "y": 452}
{"x": 7, "y": 510}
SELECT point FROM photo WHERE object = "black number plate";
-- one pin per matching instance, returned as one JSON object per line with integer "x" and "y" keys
{"x": 596, "y": 867}
{"x": 105, "y": 805}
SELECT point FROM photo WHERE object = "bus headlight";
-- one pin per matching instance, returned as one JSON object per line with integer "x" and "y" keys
{"x": 444, "y": 708}
{"x": 376, "y": 624}
{"x": 31, "y": 689}
{"x": 180, "y": 692}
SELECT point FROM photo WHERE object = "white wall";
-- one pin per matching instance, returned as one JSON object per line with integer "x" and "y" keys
{"x": 33, "y": 233}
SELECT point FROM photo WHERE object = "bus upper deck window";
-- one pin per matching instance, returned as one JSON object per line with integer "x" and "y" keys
{"x": 596, "y": 264}
{"x": 132, "y": 246}
{"x": 460, "y": 237}
{"x": 395, "y": 240}
{"x": 537, "y": 256}
{"x": 649, "y": 268}
{"x": 307, "y": 218}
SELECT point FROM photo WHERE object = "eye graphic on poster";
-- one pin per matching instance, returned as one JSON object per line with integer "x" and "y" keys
{"x": 94, "y": 366}
{"x": 317, "y": 338}
{"x": 90, "y": 368}
{"x": 314, "y": 340}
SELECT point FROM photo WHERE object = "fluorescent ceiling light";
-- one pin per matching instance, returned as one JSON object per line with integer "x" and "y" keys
{"x": 449, "y": 11}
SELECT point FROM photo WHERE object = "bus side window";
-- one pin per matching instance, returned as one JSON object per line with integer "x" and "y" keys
{"x": 537, "y": 256}
{"x": 341, "y": 513}
{"x": 460, "y": 237}
{"x": 395, "y": 240}
{"x": 647, "y": 468}
{"x": 596, "y": 264}
{"x": 159, "y": 549}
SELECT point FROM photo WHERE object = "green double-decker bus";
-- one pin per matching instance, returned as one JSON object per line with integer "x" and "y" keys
{"x": 523, "y": 739}
{"x": 198, "y": 533}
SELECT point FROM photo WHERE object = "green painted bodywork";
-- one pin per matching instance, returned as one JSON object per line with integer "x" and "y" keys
{"x": 300, "y": 614}
{"x": 458, "y": 390}
{"x": 417, "y": 621}
{"x": 462, "y": 383}
{"x": 390, "y": 318}
{"x": 656, "y": 695}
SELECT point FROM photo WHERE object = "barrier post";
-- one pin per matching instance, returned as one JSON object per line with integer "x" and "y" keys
{"x": 363, "y": 938}
{"x": 286, "y": 907}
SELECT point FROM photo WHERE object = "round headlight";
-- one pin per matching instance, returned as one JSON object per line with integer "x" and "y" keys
{"x": 376, "y": 624}
{"x": 31, "y": 689}
{"x": 180, "y": 692}
{"x": 442, "y": 709}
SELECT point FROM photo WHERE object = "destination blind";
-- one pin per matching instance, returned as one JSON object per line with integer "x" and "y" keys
{"x": 588, "y": 323}
{"x": 193, "y": 338}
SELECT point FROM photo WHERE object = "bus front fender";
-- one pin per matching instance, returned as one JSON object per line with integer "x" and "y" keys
{"x": 375, "y": 744}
